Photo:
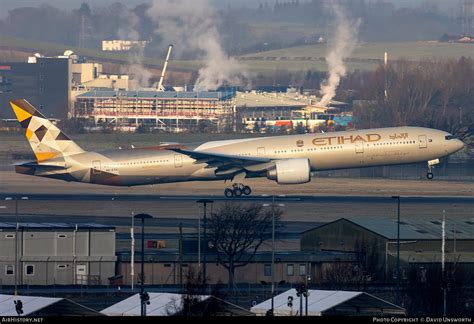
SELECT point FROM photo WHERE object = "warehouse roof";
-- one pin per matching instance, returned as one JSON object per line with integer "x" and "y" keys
{"x": 329, "y": 302}
{"x": 254, "y": 100}
{"x": 43, "y": 306}
{"x": 161, "y": 304}
{"x": 12, "y": 225}
{"x": 415, "y": 229}
{"x": 418, "y": 229}
{"x": 217, "y": 95}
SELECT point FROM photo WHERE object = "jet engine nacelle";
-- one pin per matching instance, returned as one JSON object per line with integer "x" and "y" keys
{"x": 290, "y": 171}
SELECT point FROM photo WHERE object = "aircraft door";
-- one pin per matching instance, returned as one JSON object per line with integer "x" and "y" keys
{"x": 423, "y": 141}
{"x": 260, "y": 151}
{"x": 96, "y": 168}
{"x": 178, "y": 161}
{"x": 359, "y": 146}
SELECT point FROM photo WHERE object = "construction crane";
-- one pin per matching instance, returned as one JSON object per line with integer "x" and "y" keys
{"x": 160, "y": 86}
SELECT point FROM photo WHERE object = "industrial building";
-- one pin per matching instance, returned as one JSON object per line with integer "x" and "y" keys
{"x": 164, "y": 110}
{"x": 56, "y": 253}
{"x": 45, "y": 81}
{"x": 51, "y": 83}
{"x": 420, "y": 243}
{"x": 68, "y": 86}
{"x": 260, "y": 111}
{"x": 162, "y": 267}
{"x": 120, "y": 45}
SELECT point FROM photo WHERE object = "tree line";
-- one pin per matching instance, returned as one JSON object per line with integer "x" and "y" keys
{"x": 240, "y": 28}
{"x": 431, "y": 93}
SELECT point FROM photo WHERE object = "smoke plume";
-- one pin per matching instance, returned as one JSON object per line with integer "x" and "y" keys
{"x": 345, "y": 40}
{"x": 135, "y": 59}
{"x": 191, "y": 25}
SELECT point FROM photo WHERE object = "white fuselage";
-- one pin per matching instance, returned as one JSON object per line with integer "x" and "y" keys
{"x": 325, "y": 151}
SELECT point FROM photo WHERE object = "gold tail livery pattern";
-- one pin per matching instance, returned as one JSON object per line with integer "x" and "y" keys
{"x": 46, "y": 140}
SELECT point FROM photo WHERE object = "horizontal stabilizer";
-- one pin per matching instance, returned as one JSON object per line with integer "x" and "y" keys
{"x": 34, "y": 167}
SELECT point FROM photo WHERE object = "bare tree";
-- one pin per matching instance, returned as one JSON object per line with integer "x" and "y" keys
{"x": 238, "y": 231}
{"x": 430, "y": 93}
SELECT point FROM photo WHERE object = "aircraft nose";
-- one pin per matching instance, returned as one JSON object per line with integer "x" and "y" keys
{"x": 457, "y": 145}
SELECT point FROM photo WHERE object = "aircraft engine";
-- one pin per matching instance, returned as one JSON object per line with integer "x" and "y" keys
{"x": 290, "y": 171}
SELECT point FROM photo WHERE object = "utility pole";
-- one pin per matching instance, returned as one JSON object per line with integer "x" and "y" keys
{"x": 398, "y": 248}
{"x": 204, "y": 269}
{"x": 17, "y": 268}
{"x": 144, "y": 297}
{"x": 443, "y": 275}
{"x": 181, "y": 257}
{"x": 385, "y": 62}
{"x": 273, "y": 252}
{"x": 308, "y": 279}
{"x": 132, "y": 252}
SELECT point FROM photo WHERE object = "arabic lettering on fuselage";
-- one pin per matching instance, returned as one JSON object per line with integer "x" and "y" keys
{"x": 399, "y": 136}
{"x": 334, "y": 140}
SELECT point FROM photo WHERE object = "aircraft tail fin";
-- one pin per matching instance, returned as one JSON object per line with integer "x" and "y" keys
{"x": 46, "y": 140}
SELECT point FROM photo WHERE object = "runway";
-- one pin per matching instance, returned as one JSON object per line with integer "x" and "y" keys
{"x": 254, "y": 198}
{"x": 321, "y": 200}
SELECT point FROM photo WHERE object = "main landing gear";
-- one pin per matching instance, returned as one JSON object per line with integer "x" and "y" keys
{"x": 237, "y": 190}
{"x": 431, "y": 165}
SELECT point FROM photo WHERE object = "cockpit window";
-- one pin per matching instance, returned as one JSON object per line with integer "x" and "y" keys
{"x": 450, "y": 137}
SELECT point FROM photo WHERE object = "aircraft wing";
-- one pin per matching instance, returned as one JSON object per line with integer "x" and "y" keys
{"x": 226, "y": 163}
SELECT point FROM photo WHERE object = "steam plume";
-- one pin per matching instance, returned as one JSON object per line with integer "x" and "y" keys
{"x": 135, "y": 67}
{"x": 345, "y": 40}
{"x": 191, "y": 25}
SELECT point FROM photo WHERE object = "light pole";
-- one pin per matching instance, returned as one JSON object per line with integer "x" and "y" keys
{"x": 307, "y": 281}
{"x": 273, "y": 249}
{"x": 443, "y": 273}
{"x": 143, "y": 297}
{"x": 398, "y": 248}
{"x": 204, "y": 202}
{"x": 15, "y": 198}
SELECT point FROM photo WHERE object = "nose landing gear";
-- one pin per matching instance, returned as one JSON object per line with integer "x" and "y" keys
{"x": 237, "y": 190}
{"x": 431, "y": 165}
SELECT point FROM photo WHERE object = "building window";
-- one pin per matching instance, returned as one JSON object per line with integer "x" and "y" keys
{"x": 302, "y": 269}
{"x": 29, "y": 270}
{"x": 10, "y": 236}
{"x": 267, "y": 270}
{"x": 62, "y": 266}
{"x": 9, "y": 270}
{"x": 290, "y": 269}
{"x": 62, "y": 236}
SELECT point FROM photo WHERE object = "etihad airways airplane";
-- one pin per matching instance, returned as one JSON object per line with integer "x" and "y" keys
{"x": 287, "y": 159}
